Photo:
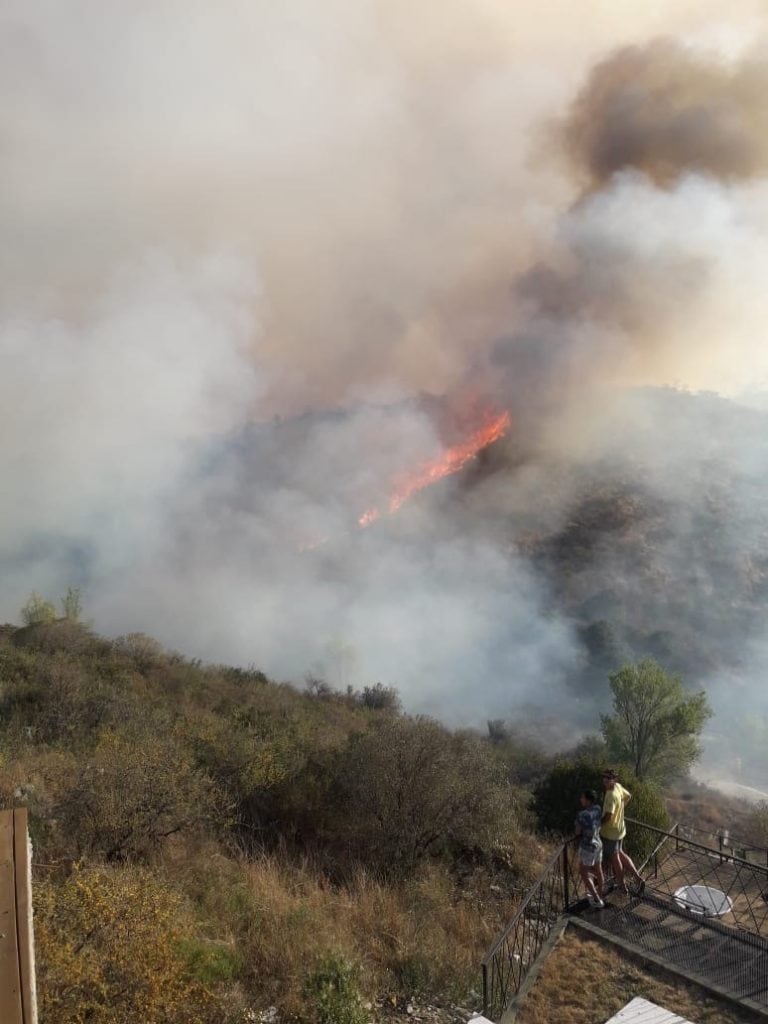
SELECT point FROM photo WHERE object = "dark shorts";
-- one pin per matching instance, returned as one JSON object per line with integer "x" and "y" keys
{"x": 611, "y": 846}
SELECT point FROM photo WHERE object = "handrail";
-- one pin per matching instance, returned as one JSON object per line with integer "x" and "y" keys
{"x": 506, "y": 964}
{"x": 559, "y": 890}
{"x": 654, "y": 852}
{"x": 726, "y": 840}
{"x": 554, "y": 862}
{"x": 697, "y": 846}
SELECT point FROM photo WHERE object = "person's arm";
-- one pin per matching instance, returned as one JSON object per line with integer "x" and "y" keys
{"x": 608, "y": 808}
{"x": 626, "y": 796}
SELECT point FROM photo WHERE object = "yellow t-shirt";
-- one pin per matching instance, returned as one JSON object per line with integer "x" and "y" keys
{"x": 613, "y": 804}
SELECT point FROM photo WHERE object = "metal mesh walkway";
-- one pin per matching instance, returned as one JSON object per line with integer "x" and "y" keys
{"x": 731, "y": 961}
{"x": 703, "y": 914}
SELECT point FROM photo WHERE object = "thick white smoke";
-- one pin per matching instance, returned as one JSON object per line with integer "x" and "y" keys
{"x": 215, "y": 217}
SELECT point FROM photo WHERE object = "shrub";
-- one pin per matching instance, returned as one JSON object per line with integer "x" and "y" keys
{"x": 37, "y": 610}
{"x": 131, "y": 795}
{"x": 72, "y": 605}
{"x": 110, "y": 949}
{"x": 332, "y": 988}
{"x": 144, "y": 651}
{"x": 409, "y": 787}
{"x": 380, "y": 698}
{"x": 57, "y": 699}
{"x": 60, "y": 635}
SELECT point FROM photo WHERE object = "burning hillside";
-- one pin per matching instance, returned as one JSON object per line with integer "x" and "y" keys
{"x": 223, "y": 318}
{"x": 450, "y": 461}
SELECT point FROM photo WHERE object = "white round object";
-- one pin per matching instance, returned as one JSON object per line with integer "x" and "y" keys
{"x": 703, "y": 900}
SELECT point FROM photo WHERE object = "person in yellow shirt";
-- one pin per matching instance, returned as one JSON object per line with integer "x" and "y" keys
{"x": 613, "y": 830}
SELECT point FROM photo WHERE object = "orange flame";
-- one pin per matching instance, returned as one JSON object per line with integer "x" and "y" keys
{"x": 451, "y": 461}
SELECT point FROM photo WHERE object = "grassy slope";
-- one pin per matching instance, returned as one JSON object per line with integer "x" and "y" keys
{"x": 586, "y": 981}
{"x": 218, "y": 914}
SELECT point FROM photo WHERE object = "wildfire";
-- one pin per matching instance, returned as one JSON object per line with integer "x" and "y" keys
{"x": 451, "y": 461}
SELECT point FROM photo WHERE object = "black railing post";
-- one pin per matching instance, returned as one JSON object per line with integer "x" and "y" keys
{"x": 677, "y": 836}
{"x": 566, "y": 899}
{"x": 485, "y": 990}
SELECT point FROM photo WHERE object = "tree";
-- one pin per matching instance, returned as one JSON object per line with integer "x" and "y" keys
{"x": 72, "y": 605}
{"x": 37, "y": 610}
{"x": 656, "y": 723}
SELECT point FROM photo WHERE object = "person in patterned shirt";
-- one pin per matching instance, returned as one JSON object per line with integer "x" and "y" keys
{"x": 590, "y": 846}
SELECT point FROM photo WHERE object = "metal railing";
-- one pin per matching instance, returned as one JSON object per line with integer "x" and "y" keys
{"x": 726, "y": 843}
{"x": 732, "y": 955}
{"x": 509, "y": 959}
{"x": 678, "y": 863}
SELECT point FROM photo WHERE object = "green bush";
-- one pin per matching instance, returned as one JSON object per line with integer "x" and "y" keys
{"x": 412, "y": 973}
{"x": 211, "y": 964}
{"x": 37, "y": 610}
{"x": 556, "y": 802}
{"x": 332, "y": 990}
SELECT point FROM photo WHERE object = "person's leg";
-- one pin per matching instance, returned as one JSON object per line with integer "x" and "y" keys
{"x": 586, "y": 876}
{"x": 618, "y": 868}
{"x": 611, "y": 848}
{"x": 628, "y": 865}
{"x": 599, "y": 873}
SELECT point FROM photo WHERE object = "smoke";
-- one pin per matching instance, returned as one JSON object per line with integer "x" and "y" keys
{"x": 247, "y": 252}
{"x": 667, "y": 111}
{"x": 659, "y": 259}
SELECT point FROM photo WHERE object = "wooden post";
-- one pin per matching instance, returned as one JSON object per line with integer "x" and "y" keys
{"x": 24, "y": 916}
{"x": 17, "y": 965}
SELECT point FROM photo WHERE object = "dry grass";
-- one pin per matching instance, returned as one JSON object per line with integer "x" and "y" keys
{"x": 422, "y": 937}
{"x": 586, "y": 981}
{"x": 692, "y": 803}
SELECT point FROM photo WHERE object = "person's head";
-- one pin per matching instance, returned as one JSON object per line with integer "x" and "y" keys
{"x": 588, "y": 797}
{"x": 610, "y": 778}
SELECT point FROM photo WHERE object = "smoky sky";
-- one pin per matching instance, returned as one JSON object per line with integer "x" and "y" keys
{"x": 666, "y": 111}
{"x": 247, "y": 252}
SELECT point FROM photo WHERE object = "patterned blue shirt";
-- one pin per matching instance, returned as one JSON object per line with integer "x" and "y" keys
{"x": 589, "y": 821}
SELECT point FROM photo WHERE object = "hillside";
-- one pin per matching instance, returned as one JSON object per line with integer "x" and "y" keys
{"x": 649, "y": 540}
{"x": 214, "y": 847}
{"x": 209, "y": 844}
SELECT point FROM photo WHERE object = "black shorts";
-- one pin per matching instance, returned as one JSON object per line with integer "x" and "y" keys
{"x": 611, "y": 846}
